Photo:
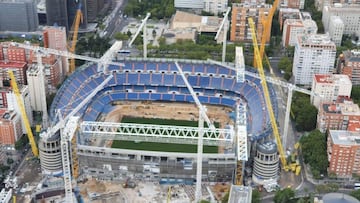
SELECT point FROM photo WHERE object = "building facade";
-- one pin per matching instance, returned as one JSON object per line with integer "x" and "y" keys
{"x": 350, "y": 15}
{"x": 12, "y": 53}
{"x": 215, "y": 6}
{"x": 298, "y": 4}
{"x": 337, "y": 115}
{"x": 327, "y": 88}
{"x": 314, "y": 54}
{"x": 94, "y": 7}
{"x": 10, "y": 127}
{"x": 240, "y": 30}
{"x": 294, "y": 27}
{"x": 349, "y": 64}
{"x": 189, "y": 4}
{"x": 37, "y": 90}
{"x": 287, "y": 13}
{"x": 266, "y": 163}
{"x": 336, "y": 29}
{"x": 18, "y": 68}
{"x": 18, "y": 15}
{"x": 343, "y": 149}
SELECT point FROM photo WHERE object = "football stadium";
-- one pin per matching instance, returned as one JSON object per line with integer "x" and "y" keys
{"x": 128, "y": 129}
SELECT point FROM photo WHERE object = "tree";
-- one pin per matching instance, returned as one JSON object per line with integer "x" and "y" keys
{"x": 283, "y": 196}
{"x": 256, "y": 196}
{"x": 316, "y": 157}
{"x": 356, "y": 194}
{"x": 10, "y": 161}
{"x": 305, "y": 114}
{"x": 225, "y": 199}
{"x": 121, "y": 36}
{"x": 355, "y": 94}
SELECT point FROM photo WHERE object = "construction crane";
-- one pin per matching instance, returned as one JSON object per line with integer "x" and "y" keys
{"x": 202, "y": 116}
{"x": 67, "y": 135}
{"x": 142, "y": 25}
{"x": 224, "y": 24}
{"x": 21, "y": 105}
{"x": 267, "y": 96}
{"x": 266, "y": 30}
{"x": 75, "y": 29}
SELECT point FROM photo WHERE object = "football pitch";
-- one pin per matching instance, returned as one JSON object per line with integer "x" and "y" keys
{"x": 156, "y": 146}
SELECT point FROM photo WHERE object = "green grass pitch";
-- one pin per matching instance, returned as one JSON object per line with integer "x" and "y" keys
{"x": 155, "y": 146}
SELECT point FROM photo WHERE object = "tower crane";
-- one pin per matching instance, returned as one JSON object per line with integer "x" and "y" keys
{"x": 142, "y": 25}
{"x": 267, "y": 96}
{"x": 266, "y": 30}
{"x": 20, "y": 102}
{"x": 224, "y": 24}
{"x": 67, "y": 135}
{"x": 75, "y": 28}
{"x": 202, "y": 116}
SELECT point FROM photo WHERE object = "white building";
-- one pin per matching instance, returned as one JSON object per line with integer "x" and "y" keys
{"x": 13, "y": 106}
{"x": 350, "y": 15}
{"x": 215, "y": 6}
{"x": 37, "y": 84}
{"x": 5, "y": 196}
{"x": 328, "y": 87}
{"x": 314, "y": 54}
{"x": 294, "y": 27}
{"x": 190, "y": 4}
{"x": 336, "y": 29}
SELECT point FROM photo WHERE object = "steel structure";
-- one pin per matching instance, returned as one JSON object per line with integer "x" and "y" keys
{"x": 155, "y": 133}
{"x": 106, "y": 59}
{"x": 224, "y": 24}
{"x": 75, "y": 28}
{"x": 239, "y": 64}
{"x": 267, "y": 97}
{"x": 241, "y": 144}
{"x": 63, "y": 53}
{"x": 142, "y": 25}
{"x": 45, "y": 119}
{"x": 21, "y": 105}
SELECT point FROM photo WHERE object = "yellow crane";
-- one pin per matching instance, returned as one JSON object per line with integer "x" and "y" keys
{"x": 75, "y": 28}
{"x": 20, "y": 102}
{"x": 267, "y": 96}
{"x": 266, "y": 30}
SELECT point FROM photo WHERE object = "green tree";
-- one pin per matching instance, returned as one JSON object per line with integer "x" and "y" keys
{"x": 225, "y": 199}
{"x": 305, "y": 114}
{"x": 355, "y": 94}
{"x": 316, "y": 157}
{"x": 255, "y": 196}
{"x": 9, "y": 161}
{"x": 356, "y": 194}
{"x": 283, "y": 196}
{"x": 121, "y": 36}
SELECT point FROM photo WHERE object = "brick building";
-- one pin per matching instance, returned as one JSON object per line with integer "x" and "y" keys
{"x": 343, "y": 149}
{"x": 10, "y": 128}
{"x": 349, "y": 64}
{"x": 337, "y": 115}
{"x": 18, "y": 68}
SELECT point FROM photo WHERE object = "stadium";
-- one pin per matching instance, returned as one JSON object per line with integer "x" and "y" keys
{"x": 154, "y": 82}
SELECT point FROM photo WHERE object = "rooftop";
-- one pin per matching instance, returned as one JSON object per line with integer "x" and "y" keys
{"x": 339, "y": 198}
{"x": 346, "y": 108}
{"x": 240, "y": 194}
{"x": 11, "y": 64}
{"x": 333, "y": 79}
{"x": 352, "y": 56}
{"x": 316, "y": 39}
{"x": 267, "y": 147}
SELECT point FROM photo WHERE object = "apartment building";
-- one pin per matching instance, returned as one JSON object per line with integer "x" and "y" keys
{"x": 319, "y": 4}
{"x": 337, "y": 115}
{"x": 295, "y": 27}
{"x": 287, "y": 13}
{"x": 18, "y": 68}
{"x": 336, "y": 29}
{"x": 343, "y": 149}
{"x": 314, "y": 54}
{"x": 12, "y": 53}
{"x": 240, "y": 30}
{"x": 349, "y": 14}
{"x": 215, "y": 6}
{"x": 10, "y": 127}
{"x": 327, "y": 88}
{"x": 37, "y": 90}
{"x": 298, "y": 4}
{"x": 349, "y": 64}
{"x": 189, "y": 4}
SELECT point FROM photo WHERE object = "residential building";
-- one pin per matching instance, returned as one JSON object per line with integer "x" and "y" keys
{"x": 294, "y": 27}
{"x": 319, "y": 4}
{"x": 287, "y": 13}
{"x": 337, "y": 115}
{"x": 343, "y": 149}
{"x": 215, "y": 6}
{"x": 349, "y": 14}
{"x": 55, "y": 38}
{"x": 18, "y": 68}
{"x": 314, "y": 54}
{"x": 10, "y": 128}
{"x": 349, "y": 64}
{"x": 13, "y": 105}
{"x": 189, "y": 4}
{"x": 18, "y": 15}
{"x": 93, "y": 9}
{"x": 336, "y": 29}
{"x": 3, "y": 95}
{"x": 37, "y": 90}
{"x": 240, "y": 30}
{"x": 298, "y": 4}
{"x": 327, "y": 88}
{"x": 12, "y": 53}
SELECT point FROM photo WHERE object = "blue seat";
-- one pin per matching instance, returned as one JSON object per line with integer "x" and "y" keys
{"x": 199, "y": 68}
{"x": 144, "y": 79}
{"x": 132, "y": 78}
{"x": 156, "y": 79}
{"x": 192, "y": 80}
{"x": 144, "y": 96}
{"x": 187, "y": 68}
{"x": 132, "y": 96}
{"x": 150, "y": 66}
{"x": 214, "y": 100}
{"x": 155, "y": 96}
{"x": 204, "y": 81}
{"x": 228, "y": 83}
{"x": 168, "y": 80}
{"x": 179, "y": 97}
{"x": 167, "y": 97}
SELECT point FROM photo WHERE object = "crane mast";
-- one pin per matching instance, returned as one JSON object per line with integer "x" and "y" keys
{"x": 267, "y": 96}
{"x": 75, "y": 28}
{"x": 20, "y": 102}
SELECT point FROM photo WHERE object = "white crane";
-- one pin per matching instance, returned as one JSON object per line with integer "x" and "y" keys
{"x": 224, "y": 24}
{"x": 202, "y": 116}
{"x": 142, "y": 25}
